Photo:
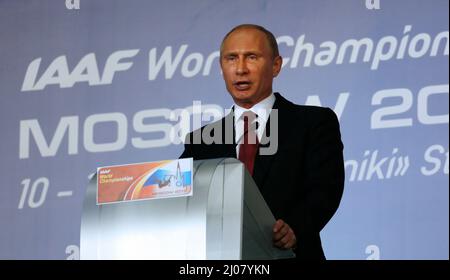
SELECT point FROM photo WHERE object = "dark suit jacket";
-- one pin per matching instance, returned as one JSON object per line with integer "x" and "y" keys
{"x": 303, "y": 181}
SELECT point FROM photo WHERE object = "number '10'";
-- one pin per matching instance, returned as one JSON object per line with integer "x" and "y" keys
{"x": 36, "y": 193}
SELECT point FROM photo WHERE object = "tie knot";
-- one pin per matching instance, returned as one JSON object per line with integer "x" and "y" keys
{"x": 250, "y": 122}
{"x": 249, "y": 116}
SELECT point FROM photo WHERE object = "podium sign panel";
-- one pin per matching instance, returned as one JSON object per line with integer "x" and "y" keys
{"x": 150, "y": 180}
{"x": 225, "y": 218}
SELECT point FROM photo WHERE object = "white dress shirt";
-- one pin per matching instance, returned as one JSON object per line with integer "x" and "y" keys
{"x": 261, "y": 109}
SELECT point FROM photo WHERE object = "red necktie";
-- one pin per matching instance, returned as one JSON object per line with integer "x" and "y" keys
{"x": 250, "y": 143}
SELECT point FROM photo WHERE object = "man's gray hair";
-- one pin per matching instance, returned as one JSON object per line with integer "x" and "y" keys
{"x": 269, "y": 36}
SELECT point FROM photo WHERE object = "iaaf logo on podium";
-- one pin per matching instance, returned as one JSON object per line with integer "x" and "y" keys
{"x": 73, "y": 4}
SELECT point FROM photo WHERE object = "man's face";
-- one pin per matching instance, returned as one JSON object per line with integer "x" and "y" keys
{"x": 248, "y": 66}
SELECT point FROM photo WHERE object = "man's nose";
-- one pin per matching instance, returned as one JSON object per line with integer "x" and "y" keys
{"x": 241, "y": 67}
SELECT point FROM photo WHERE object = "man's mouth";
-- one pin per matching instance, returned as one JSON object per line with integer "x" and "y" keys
{"x": 242, "y": 85}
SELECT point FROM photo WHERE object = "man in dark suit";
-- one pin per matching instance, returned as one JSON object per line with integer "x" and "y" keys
{"x": 302, "y": 180}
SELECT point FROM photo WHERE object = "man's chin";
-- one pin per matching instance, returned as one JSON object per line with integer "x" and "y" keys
{"x": 243, "y": 95}
{"x": 244, "y": 102}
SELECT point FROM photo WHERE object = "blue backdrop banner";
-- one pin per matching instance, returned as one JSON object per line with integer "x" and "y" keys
{"x": 98, "y": 83}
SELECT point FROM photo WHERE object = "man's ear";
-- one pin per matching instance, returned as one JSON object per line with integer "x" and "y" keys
{"x": 220, "y": 64}
{"x": 277, "y": 63}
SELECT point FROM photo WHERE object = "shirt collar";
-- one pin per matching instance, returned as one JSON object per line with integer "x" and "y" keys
{"x": 261, "y": 109}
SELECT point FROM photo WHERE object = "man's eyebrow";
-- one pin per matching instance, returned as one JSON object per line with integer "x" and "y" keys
{"x": 244, "y": 53}
{"x": 253, "y": 52}
{"x": 229, "y": 53}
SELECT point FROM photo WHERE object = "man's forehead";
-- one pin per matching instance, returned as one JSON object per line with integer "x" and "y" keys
{"x": 248, "y": 39}
{"x": 244, "y": 51}
{"x": 246, "y": 32}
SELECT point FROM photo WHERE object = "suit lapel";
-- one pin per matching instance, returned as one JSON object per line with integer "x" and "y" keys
{"x": 263, "y": 162}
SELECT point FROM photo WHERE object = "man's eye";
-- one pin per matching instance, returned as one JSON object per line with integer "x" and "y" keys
{"x": 231, "y": 58}
{"x": 252, "y": 57}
